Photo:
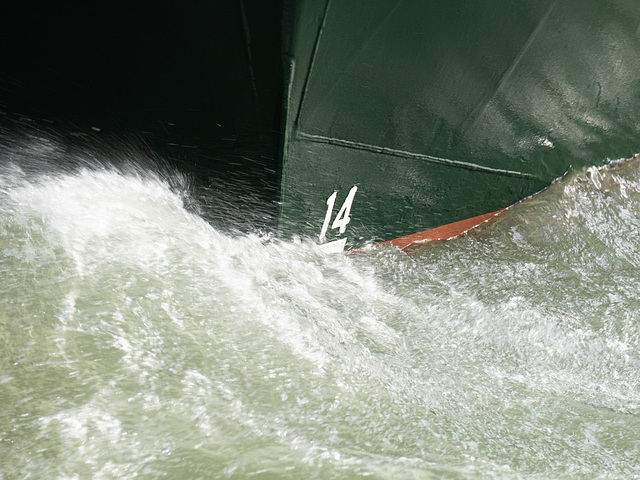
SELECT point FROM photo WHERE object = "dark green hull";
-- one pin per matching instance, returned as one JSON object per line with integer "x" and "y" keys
{"x": 441, "y": 111}
{"x": 436, "y": 110}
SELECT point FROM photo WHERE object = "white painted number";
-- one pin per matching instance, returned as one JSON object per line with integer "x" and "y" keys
{"x": 342, "y": 219}
{"x": 327, "y": 218}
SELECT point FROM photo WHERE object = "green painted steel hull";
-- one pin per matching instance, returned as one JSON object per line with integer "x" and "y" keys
{"x": 436, "y": 110}
{"x": 440, "y": 111}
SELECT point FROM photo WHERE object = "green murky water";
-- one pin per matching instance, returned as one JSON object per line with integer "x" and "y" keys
{"x": 137, "y": 341}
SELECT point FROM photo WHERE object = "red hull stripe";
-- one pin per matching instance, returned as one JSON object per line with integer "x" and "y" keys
{"x": 445, "y": 232}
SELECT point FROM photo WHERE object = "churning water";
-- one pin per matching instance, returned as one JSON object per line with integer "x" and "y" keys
{"x": 138, "y": 341}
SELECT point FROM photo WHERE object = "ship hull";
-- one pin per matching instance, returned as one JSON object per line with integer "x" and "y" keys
{"x": 358, "y": 121}
{"x": 438, "y": 112}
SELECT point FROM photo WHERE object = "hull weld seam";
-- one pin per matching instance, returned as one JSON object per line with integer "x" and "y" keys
{"x": 412, "y": 155}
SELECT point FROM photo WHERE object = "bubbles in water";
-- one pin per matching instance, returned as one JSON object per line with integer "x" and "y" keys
{"x": 140, "y": 341}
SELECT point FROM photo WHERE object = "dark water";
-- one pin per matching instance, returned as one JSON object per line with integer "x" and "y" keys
{"x": 139, "y": 341}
